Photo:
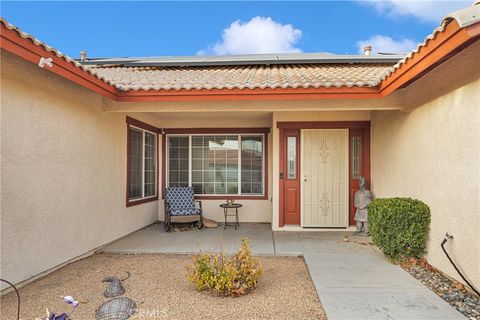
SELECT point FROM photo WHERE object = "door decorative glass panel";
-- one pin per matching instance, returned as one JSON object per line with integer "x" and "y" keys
{"x": 292, "y": 157}
{"x": 356, "y": 157}
{"x": 324, "y": 161}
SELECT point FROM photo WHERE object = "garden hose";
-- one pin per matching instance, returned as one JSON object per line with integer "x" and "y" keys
{"x": 447, "y": 237}
{"x": 18, "y": 296}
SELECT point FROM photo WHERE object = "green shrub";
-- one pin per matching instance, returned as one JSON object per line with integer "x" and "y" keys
{"x": 225, "y": 275}
{"x": 399, "y": 226}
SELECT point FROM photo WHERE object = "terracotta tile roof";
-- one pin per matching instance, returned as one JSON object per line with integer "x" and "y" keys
{"x": 243, "y": 77}
{"x": 49, "y": 48}
{"x": 246, "y": 76}
{"x": 358, "y": 72}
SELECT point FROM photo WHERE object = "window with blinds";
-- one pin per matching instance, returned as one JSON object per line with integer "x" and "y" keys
{"x": 142, "y": 171}
{"x": 252, "y": 165}
{"x": 216, "y": 164}
{"x": 178, "y": 161}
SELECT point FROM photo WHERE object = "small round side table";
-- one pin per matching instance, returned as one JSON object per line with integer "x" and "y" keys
{"x": 227, "y": 206}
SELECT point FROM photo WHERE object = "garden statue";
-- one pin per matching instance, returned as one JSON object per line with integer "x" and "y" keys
{"x": 363, "y": 198}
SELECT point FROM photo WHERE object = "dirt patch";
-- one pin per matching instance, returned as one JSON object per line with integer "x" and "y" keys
{"x": 158, "y": 285}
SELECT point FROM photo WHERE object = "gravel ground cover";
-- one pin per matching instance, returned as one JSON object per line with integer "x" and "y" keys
{"x": 159, "y": 287}
{"x": 452, "y": 292}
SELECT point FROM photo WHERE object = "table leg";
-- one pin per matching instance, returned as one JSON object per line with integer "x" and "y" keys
{"x": 225, "y": 213}
{"x": 237, "y": 223}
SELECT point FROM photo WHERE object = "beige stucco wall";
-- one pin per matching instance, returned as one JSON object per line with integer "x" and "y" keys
{"x": 432, "y": 153}
{"x": 63, "y": 172}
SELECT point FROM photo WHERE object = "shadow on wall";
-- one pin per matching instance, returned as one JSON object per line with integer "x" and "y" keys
{"x": 451, "y": 75}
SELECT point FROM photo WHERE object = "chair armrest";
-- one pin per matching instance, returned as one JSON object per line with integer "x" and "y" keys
{"x": 199, "y": 203}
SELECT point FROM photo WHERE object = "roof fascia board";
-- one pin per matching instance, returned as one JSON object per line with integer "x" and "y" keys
{"x": 250, "y": 94}
{"x": 12, "y": 42}
{"x": 435, "y": 51}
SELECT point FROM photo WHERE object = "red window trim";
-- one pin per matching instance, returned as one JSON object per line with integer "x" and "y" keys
{"x": 142, "y": 125}
{"x": 263, "y": 131}
{"x": 131, "y": 122}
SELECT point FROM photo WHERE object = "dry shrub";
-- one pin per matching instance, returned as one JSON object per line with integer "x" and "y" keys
{"x": 226, "y": 275}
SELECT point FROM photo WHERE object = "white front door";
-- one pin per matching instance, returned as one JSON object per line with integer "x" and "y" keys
{"x": 324, "y": 167}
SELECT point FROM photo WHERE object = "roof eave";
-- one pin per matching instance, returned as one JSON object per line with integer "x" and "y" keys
{"x": 438, "y": 48}
{"x": 250, "y": 94}
{"x": 25, "y": 47}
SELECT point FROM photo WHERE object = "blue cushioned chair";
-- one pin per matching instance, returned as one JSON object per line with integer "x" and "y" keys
{"x": 180, "y": 201}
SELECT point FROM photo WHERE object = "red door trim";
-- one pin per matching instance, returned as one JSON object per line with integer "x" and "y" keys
{"x": 351, "y": 125}
{"x": 283, "y": 170}
{"x": 364, "y": 133}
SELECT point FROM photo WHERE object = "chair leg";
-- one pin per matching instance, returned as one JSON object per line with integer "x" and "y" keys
{"x": 201, "y": 220}
{"x": 167, "y": 222}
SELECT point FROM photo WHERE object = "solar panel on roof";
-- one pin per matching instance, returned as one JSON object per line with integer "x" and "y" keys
{"x": 246, "y": 59}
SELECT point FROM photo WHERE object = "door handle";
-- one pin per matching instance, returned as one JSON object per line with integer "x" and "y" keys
{"x": 305, "y": 178}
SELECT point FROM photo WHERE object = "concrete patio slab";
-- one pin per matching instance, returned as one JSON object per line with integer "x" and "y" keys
{"x": 154, "y": 239}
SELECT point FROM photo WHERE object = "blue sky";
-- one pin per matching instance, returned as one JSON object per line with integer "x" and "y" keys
{"x": 106, "y": 29}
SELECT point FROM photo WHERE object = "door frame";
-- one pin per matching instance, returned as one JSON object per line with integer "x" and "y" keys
{"x": 298, "y": 125}
{"x": 286, "y": 132}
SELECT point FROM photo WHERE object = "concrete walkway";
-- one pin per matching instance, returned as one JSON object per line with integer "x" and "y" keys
{"x": 366, "y": 286}
{"x": 352, "y": 280}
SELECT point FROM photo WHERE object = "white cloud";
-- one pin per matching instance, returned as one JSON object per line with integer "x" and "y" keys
{"x": 382, "y": 43}
{"x": 432, "y": 11}
{"x": 259, "y": 35}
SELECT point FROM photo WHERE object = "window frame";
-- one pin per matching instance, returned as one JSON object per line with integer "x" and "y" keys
{"x": 143, "y": 127}
{"x": 263, "y": 132}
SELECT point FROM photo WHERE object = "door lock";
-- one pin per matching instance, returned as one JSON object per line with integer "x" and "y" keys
{"x": 305, "y": 178}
